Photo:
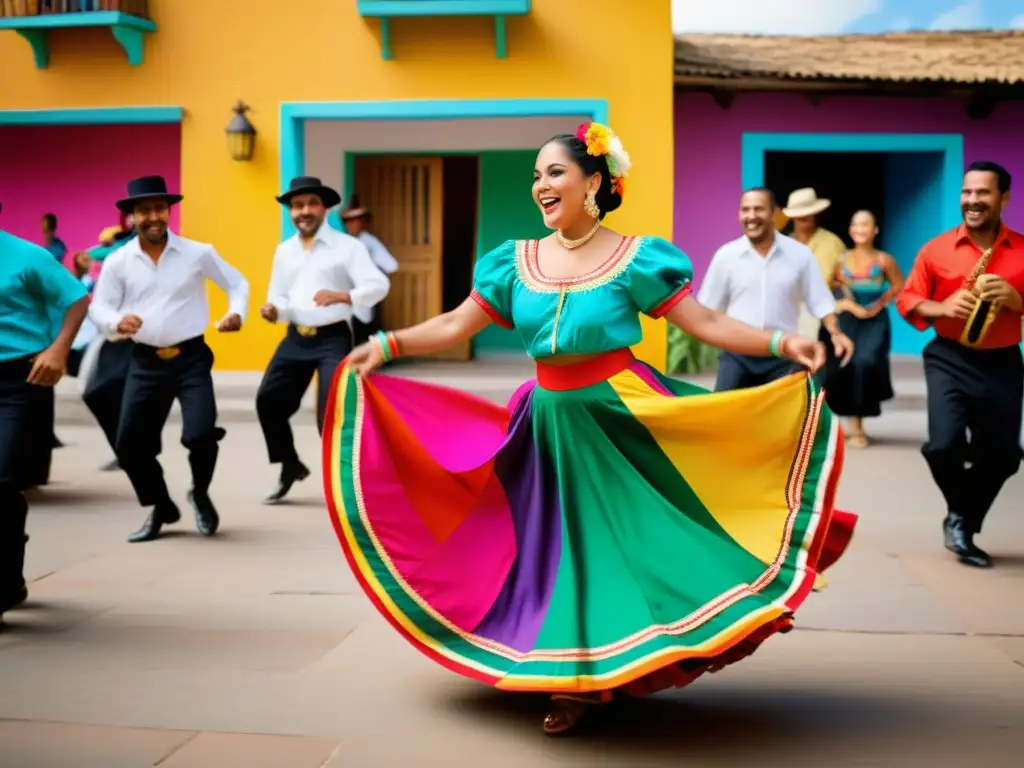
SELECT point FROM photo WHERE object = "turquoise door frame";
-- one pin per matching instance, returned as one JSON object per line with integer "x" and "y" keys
{"x": 292, "y": 150}
{"x": 938, "y": 204}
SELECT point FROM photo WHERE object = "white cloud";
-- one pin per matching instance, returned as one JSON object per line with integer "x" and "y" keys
{"x": 781, "y": 17}
{"x": 964, "y": 16}
{"x": 1017, "y": 22}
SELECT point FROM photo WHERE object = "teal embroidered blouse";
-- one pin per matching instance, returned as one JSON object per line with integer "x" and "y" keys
{"x": 594, "y": 313}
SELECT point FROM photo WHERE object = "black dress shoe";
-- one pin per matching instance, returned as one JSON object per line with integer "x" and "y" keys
{"x": 163, "y": 514}
{"x": 12, "y": 599}
{"x": 291, "y": 473}
{"x": 207, "y": 519}
{"x": 961, "y": 543}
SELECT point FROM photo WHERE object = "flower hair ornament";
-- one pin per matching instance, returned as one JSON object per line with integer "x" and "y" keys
{"x": 600, "y": 140}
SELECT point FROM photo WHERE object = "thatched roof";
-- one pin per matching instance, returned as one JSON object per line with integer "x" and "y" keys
{"x": 953, "y": 58}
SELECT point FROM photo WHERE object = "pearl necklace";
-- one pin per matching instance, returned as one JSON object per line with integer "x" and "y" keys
{"x": 570, "y": 245}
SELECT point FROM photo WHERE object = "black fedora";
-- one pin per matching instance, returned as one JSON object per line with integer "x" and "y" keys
{"x": 310, "y": 185}
{"x": 146, "y": 188}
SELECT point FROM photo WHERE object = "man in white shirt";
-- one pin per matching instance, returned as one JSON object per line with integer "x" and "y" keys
{"x": 355, "y": 218}
{"x": 153, "y": 290}
{"x": 762, "y": 278}
{"x": 320, "y": 278}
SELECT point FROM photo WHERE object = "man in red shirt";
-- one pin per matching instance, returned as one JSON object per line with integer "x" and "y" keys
{"x": 974, "y": 372}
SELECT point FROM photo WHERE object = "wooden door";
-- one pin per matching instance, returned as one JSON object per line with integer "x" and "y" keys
{"x": 406, "y": 197}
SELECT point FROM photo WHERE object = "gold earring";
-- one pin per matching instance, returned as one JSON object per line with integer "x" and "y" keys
{"x": 590, "y": 206}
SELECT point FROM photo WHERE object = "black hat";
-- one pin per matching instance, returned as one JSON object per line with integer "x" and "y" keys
{"x": 310, "y": 185}
{"x": 146, "y": 188}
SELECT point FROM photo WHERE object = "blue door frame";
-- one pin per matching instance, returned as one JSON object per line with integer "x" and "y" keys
{"x": 294, "y": 115}
{"x": 949, "y": 146}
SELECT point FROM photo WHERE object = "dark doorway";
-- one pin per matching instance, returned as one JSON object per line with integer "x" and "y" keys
{"x": 461, "y": 196}
{"x": 851, "y": 180}
{"x": 903, "y": 189}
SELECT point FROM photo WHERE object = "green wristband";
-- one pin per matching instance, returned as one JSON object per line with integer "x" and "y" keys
{"x": 775, "y": 345}
{"x": 385, "y": 347}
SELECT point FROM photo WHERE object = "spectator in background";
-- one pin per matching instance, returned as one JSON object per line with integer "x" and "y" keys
{"x": 51, "y": 242}
{"x": 356, "y": 219}
{"x": 803, "y": 208}
{"x": 869, "y": 280}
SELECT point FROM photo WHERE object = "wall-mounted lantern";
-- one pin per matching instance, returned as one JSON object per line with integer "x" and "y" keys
{"x": 241, "y": 134}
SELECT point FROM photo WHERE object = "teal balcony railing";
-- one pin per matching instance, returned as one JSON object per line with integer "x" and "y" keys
{"x": 127, "y": 20}
{"x": 21, "y": 8}
{"x": 386, "y": 10}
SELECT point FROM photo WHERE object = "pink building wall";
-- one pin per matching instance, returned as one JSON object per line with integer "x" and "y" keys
{"x": 708, "y": 157}
{"x": 77, "y": 172}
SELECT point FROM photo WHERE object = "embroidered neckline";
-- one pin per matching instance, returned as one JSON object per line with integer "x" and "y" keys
{"x": 528, "y": 267}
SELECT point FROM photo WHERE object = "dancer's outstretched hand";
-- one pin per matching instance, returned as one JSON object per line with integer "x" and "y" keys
{"x": 365, "y": 358}
{"x": 805, "y": 352}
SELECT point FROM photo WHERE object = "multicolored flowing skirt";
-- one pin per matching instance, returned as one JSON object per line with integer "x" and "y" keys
{"x": 611, "y": 529}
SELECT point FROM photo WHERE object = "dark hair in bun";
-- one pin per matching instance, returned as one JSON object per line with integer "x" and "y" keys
{"x": 607, "y": 200}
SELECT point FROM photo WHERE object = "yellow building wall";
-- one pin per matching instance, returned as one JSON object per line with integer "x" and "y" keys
{"x": 207, "y": 54}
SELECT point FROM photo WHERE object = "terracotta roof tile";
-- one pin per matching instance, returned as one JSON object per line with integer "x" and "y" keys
{"x": 951, "y": 57}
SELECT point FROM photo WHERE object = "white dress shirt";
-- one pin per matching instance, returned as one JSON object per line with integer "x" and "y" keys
{"x": 335, "y": 261}
{"x": 379, "y": 253}
{"x": 169, "y": 296}
{"x": 766, "y": 291}
{"x": 384, "y": 261}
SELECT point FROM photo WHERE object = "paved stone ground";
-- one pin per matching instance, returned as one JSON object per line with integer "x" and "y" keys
{"x": 257, "y": 648}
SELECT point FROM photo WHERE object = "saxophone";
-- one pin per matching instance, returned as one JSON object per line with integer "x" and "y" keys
{"x": 985, "y": 312}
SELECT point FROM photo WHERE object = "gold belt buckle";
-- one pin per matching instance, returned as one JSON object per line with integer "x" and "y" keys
{"x": 306, "y": 330}
{"x": 167, "y": 353}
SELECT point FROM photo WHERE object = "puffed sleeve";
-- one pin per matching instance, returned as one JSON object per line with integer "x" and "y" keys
{"x": 660, "y": 276}
{"x": 493, "y": 280}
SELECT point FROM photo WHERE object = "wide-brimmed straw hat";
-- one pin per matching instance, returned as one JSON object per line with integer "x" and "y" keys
{"x": 354, "y": 210}
{"x": 805, "y": 202}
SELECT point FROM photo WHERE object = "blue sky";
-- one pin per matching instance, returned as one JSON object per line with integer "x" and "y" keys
{"x": 829, "y": 17}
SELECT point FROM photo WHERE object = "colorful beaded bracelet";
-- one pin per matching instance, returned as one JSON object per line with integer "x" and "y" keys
{"x": 388, "y": 343}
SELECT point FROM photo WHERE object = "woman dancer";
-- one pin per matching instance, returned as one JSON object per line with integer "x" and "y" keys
{"x": 869, "y": 280}
{"x": 611, "y": 530}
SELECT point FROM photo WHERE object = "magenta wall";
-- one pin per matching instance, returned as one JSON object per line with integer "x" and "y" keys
{"x": 77, "y": 172}
{"x": 708, "y": 157}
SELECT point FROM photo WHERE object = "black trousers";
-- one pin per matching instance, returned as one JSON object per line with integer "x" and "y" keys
{"x": 743, "y": 371}
{"x": 75, "y": 362}
{"x": 287, "y": 378}
{"x": 363, "y": 331}
{"x": 20, "y": 403}
{"x": 153, "y": 384}
{"x": 104, "y": 394}
{"x": 39, "y": 443}
{"x": 980, "y": 391}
